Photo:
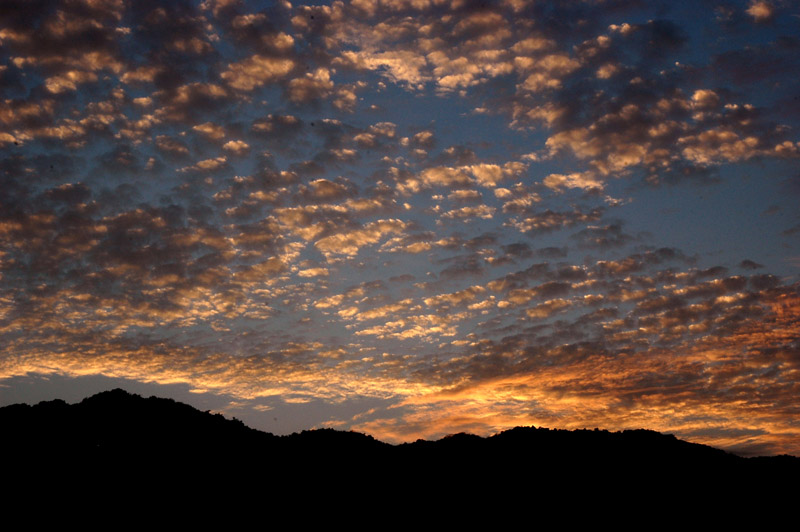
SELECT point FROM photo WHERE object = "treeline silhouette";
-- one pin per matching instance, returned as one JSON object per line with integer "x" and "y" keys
{"x": 122, "y": 442}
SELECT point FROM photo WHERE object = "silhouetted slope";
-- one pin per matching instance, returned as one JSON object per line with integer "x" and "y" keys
{"x": 118, "y": 440}
{"x": 116, "y": 422}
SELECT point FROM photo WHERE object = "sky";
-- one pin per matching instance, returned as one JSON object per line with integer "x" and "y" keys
{"x": 408, "y": 218}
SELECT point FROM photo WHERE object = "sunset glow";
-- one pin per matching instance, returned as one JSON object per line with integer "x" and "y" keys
{"x": 408, "y": 218}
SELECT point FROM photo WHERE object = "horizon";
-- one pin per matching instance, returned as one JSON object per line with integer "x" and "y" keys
{"x": 450, "y": 435}
{"x": 409, "y": 218}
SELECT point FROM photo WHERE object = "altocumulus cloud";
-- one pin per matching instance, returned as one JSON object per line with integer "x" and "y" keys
{"x": 409, "y": 218}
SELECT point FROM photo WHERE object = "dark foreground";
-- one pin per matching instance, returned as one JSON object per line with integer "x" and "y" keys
{"x": 117, "y": 447}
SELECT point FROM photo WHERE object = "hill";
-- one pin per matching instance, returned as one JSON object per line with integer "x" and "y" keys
{"x": 127, "y": 443}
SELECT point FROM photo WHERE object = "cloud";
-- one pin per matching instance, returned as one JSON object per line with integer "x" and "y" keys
{"x": 459, "y": 298}
{"x": 399, "y": 66}
{"x": 206, "y": 165}
{"x": 549, "y": 220}
{"x": 256, "y": 71}
{"x": 469, "y": 212}
{"x": 545, "y": 72}
{"x": 602, "y": 236}
{"x": 210, "y": 130}
{"x": 313, "y": 86}
{"x": 715, "y": 145}
{"x": 348, "y": 243}
{"x": 440, "y": 207}
{"x": 236, "y": 147}
{"x": 69, "y": 81}
{"x": 760, "y": 11}
{"x": 750, "y": 265}
{"x": 584, "y": 180}
{"x": 171, "y": 145}
{"x": 313, "y": 272}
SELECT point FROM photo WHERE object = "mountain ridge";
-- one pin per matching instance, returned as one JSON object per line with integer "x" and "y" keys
{"x": 117, "y": 455}
{"x": 137, "y": 407}
{"x": 123, "y": 440}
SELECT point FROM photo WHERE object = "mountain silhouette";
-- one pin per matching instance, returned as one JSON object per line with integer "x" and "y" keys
{"x": 120, "y": 443}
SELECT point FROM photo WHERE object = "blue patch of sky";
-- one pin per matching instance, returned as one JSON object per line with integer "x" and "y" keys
{"x": 724, "y": 222}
